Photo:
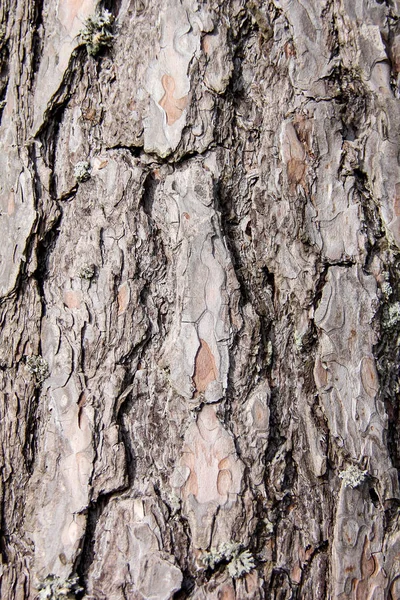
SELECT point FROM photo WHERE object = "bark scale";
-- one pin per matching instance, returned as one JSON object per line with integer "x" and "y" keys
{"x": 199, "y": 299}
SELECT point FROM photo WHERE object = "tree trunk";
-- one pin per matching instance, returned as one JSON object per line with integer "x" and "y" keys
{"x": 200, "y": 299}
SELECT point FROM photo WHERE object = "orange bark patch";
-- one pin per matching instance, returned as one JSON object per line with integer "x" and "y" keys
{"x": 90, "y": 114}
{"x": 296, "y": 574}
{"x": 395, "y": 52}
{"x": 260, "y": 415}
{"x": 369, "y": 376}
{"x": 224, "y": 482}
{"x": 72, "y": 299}
{"x": 192, "y": 486}
{"x": 206, "y": 44}
{"x": 252, "y": 582}
{"x": 304, "y": 128}
{"x": 296, "y": 170}
{"x": 173, "y": 106}
{"x": 372, "y": 576}
{"x": 123, "y": 297}
{"x": 11, "y": 204}
{"x": 396, "y": 203}
{"x": 289, "y": 50}
{"x": 320, "y": 374}
{"x": 67, "y": 11}
{"x": 205, "y": 370}
{"x": 226, "y": 592}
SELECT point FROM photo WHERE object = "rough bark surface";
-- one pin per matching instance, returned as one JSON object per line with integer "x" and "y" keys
{"x": 200, "y": 299}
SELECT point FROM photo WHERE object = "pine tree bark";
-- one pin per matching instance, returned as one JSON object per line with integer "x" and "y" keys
{"x": 199, "y": 299}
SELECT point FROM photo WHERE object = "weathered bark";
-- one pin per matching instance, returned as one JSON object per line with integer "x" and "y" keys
{"x": 200, "y": 301}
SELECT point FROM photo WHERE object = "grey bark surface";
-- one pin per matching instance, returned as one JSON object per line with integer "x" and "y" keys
{"x": 199, "y": 299}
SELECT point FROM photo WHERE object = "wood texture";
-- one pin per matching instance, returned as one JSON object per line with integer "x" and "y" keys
{"x": 200, "y": 300}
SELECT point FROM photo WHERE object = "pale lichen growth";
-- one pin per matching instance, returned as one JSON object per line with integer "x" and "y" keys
{"x": 56, "y": 588}
{"x": 38, "y": 366}
{"x": 392, "y": 315}
{"x": 217, "y": 555}
{"x": 98, "y": 32}
{"x": 87, "y": 272}
{"x": 386, "y": 289}
{"x": 82, "y": 171}
{"x": 298, "y": 340}
{"x": 353, "y": 476}
{"x": 239, "y": 562}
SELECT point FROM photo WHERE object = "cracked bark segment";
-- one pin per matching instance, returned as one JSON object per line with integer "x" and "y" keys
{"x": 66, "y": 466}
{"x": 219, "y": 60}
{"x": 391, "y": 553}
{"x": 310, "y": 62}
{"x": 61, "y": 25}
{"x": 383, "y": 165}
{"x": 17, "y": 185}
{"x": 17, "y": 407}
{"x": 337, "y": 217}
{"x": 132, "y": 563}
{"x": 224, "y": 588}
{"x": 365, "y": 52}
{"x": 72, "y": 146}
{"x": 17, "y": 217}
{"x": 167, "y": 80}
{"x": 66, "y": 462}
{"x": 196, "y": 350}
{"x": 254, "y": 431}
{"x": 81, "y": 451}
{"x": 347, "y": 385}
{"x": 359, "y": 569}
{"x": 124, "y": 99}
{"x": 345, "y": 371}
{"x": 208, "y": 478}
{"x": 366, "y": 56}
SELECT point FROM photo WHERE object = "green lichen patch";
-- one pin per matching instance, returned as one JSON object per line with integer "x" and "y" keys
{"x": 98, "y": 34}
{"x": 82, "y": 171}
{"x": 38, "y": 366}
{"x": 239, "y": 562}
{"x": 56, "y": 588}
{"x": 87, "y": 272}
{"x": 353, "y": 476}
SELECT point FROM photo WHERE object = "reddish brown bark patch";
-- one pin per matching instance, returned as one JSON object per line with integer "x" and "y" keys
{"x": 72, "y": 299}
{"x": 372, "y": 577}
{"x": 173, "y": 106}
{"x": 320, "y": 374}
{"x": 123, "y": 297}
{"x": 205, "y": 370}
{"x": 11, "y": 204}
{"x": 396, "y": 203}
{"x": 296, "y": 170}
{"x": 369, "y": 376}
